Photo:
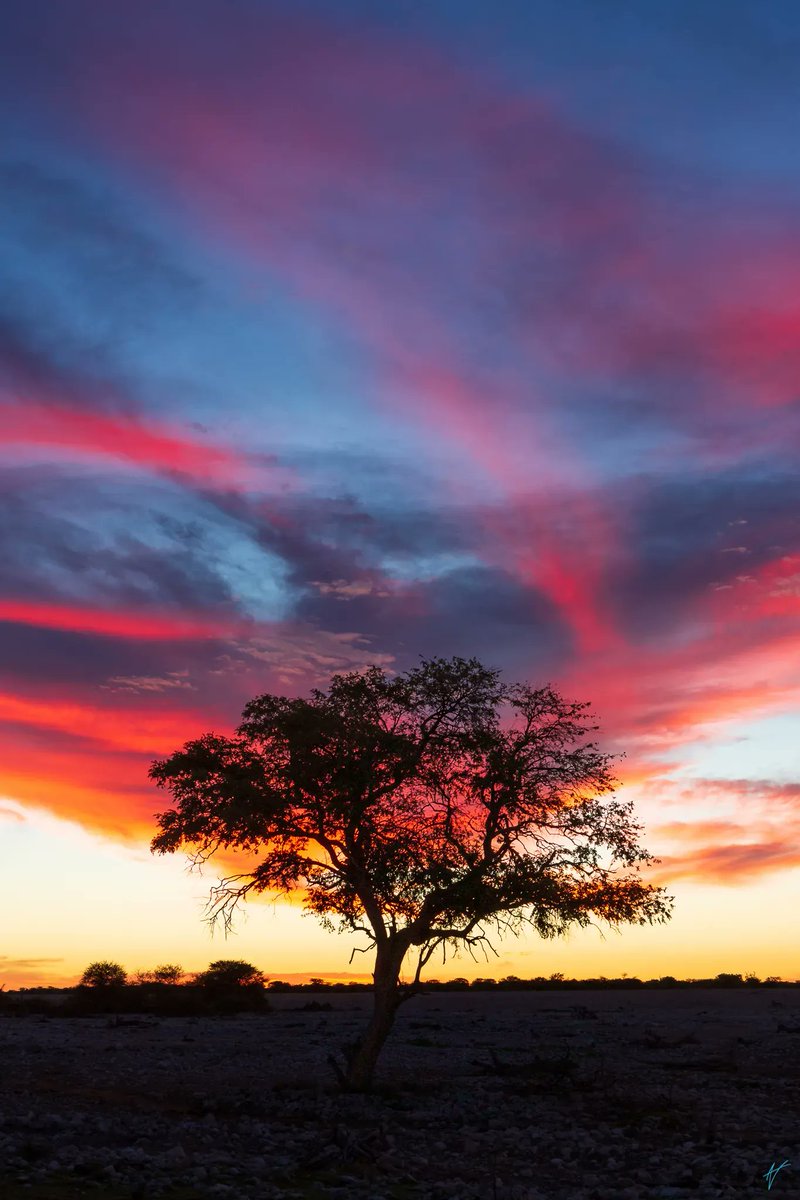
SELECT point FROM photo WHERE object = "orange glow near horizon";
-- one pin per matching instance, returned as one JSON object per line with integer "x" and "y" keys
{"x": 285, "y": 944}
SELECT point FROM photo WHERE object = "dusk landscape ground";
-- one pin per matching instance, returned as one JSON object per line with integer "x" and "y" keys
{"x": 553, "y": 1095}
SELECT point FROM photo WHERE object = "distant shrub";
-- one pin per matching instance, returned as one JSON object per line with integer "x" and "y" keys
{"x": 103, "y": 975}
{"x": 167, "y": 973}
{"x": 230, "y": 973}
{"x": 727, "y": 979}
{"x": 459, "y": 984}
{"x": 231, "y": 985}
{"x": 146, "y": 1000}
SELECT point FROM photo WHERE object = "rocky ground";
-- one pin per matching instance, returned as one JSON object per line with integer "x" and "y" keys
{"x": 509, "y": 1096}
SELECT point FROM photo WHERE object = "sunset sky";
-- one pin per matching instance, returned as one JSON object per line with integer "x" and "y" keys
{"x": 339, "y": 333}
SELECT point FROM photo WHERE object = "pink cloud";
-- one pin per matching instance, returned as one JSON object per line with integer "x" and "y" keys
{"x": 161, "y": 447}
{"x": 118, "y": 623}
{"x": 730, "y": 865}
{"x": 280, "y": 180}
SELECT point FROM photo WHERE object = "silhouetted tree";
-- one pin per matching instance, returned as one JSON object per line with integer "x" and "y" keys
{"x": 230, "y": 973}
{"x": 421, "y": 810}
{"x": 167, "y": 973}
{"x": 104, "y": 974}
{"x": 459, "y": 984}
{"x": 727, "y": 979}
{"x": 171, "y": 973}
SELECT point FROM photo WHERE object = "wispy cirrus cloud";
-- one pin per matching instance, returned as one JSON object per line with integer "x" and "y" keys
{"x": 148, "y": 684}
{"x": 733, "y": 864}
{"x": 579, "y": 219}
{"x": 29, "y": 972}
{"x": 25, "y": 962}
{"x": 74, "y": 433}
{"x": 133, "y": 624}
{"x": 563, "y": 435}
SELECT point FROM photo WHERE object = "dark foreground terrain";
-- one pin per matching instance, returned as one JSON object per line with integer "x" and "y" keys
{"x": 512, "y": 1096}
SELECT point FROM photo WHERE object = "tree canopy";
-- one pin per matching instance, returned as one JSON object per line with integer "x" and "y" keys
{"x": 422, "y": 810}
{"x": 230, "y": 973}
{"x": 166, "y": 973}
{"x": 103, "y": 974}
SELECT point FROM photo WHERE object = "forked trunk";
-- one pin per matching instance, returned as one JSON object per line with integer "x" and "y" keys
{"x": 386, "y": 1000}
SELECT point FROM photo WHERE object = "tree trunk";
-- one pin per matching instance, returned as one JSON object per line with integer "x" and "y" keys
{"x": 386, "y": 1000}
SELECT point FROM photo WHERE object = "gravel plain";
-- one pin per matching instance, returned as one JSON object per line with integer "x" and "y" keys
{"x": 591, "y": 1095}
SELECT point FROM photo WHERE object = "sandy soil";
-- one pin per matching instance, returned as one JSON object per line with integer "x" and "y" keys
{"x": 502, "y": 1096}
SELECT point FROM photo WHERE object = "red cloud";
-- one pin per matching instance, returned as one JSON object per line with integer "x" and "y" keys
{"x": 105, "y": 791}
{"x": 699, "y": 831}
{"x": 119, "y": 624}
{"x": 160, "y": 447}
{"x": 761, "y": 835}
{"x": 733, "y": 864}
{"x": 747, "y": 790}
{"x": 141, "y": 728}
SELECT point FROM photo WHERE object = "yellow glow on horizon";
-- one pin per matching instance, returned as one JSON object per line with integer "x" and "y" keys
{"x": 96, "y": 899}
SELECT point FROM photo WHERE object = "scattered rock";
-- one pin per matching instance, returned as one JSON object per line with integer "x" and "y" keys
{"x": 498, "y": 1104}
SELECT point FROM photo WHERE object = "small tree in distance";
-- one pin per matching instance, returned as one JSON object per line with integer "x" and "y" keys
{"x": 167, "y": 973}
{"x": 171, "y": 973}
{"x": 422, "y": 810}
{"x": 103, "y": 974}
{"x": 230, "y": 972}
